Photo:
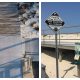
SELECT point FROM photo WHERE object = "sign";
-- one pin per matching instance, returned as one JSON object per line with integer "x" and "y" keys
{"x": 77, "y": 51}
{"x": 54, "y": 21}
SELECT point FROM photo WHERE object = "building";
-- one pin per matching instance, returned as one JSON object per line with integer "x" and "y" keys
{"x": 14, "y": 46}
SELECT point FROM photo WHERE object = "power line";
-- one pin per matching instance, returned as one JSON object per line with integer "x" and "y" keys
{"x": 63, "y": 27}
{"x": 63, "y": 33}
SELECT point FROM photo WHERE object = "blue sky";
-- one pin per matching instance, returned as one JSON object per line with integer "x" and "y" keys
{"x": 68, "y": 11}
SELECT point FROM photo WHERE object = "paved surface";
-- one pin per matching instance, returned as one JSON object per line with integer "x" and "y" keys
{"x": 66, "y": 69}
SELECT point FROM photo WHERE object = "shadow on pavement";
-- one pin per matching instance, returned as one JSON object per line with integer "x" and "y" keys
{"x": 67, "y": 70}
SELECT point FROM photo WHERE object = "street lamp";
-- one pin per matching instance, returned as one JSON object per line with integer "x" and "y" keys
{"x": 55, "y": 23}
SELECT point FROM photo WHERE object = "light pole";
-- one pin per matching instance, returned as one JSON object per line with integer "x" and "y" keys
{"x": 55, "y": 23}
